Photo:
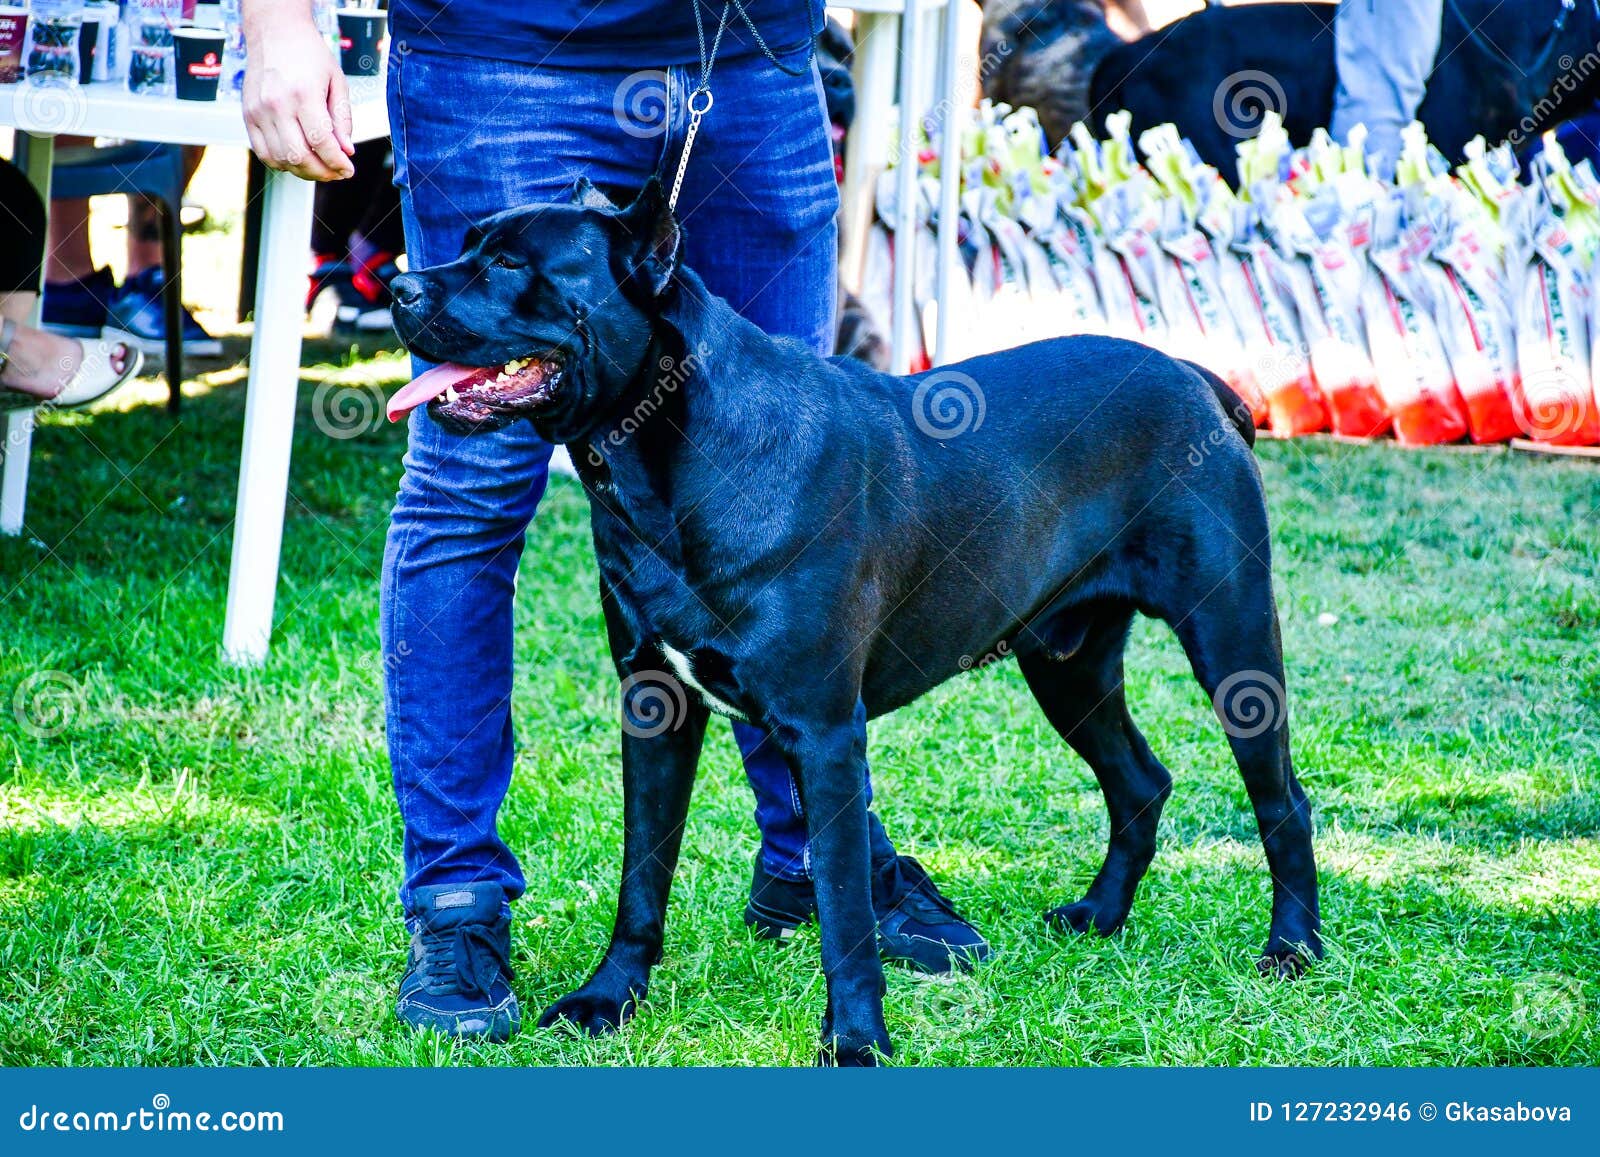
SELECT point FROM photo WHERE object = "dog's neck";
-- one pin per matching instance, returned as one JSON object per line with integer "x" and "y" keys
{"x": 686, "y": 388}
{"x": 712, "y": 391}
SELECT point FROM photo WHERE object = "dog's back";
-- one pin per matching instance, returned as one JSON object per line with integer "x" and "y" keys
{"x": 1083, "y": 462}
{"x": 1214, "y": 73}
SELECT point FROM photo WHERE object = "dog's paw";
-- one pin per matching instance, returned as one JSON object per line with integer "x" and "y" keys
{"x": 1285, "y": 963}
{"x": 593, "y": 1013}
{"x": 1085, "y": 916}
{"x": 842, "y": 1053}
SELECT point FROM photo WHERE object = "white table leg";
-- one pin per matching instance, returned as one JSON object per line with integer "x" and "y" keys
{"x": 269, "y": 417}
{"x": 17, "y": 448}
{"x": 906, "y": 323}
{"x": 873, "y": 69}
{"x": 14, "y": 455}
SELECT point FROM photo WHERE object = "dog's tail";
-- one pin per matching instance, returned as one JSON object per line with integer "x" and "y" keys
{"x": 1232, "y": 404}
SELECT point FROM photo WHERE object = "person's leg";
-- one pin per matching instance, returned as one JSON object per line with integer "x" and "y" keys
{"x": 68, "y": 257}
{"x": 144, "y": 221}
{"x": 355, "y": 236}
{"x": 464, "y": 502}
{"x": 1385, "y": 52}
{"x": 507, "y": 136}
{"x": 456, "y": 532}
{"x": 137, "y": 307}
{"x": 35, "y": 361}
{"x": 22, "y": 256}
{"x": 378, "y": 224}
{"x": 760, "y": 206}
{"x": 77, "y": 296}
{"x": 343, "y": 207}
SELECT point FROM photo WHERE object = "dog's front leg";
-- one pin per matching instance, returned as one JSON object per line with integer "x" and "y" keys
{"x": 657, "y": 778}
{"x": 831, "y": 767}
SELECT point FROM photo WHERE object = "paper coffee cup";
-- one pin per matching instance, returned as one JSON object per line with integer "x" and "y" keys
{"x": 13, "y": 35}
{"x": 361, "y": 34}
{"x": 198, "y": 55}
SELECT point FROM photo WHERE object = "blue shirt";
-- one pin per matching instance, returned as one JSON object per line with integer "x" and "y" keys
{"x": 632, "y": 34}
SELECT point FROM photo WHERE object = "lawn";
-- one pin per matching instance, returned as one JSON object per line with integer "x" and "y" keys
{"x": 198, "y": 864}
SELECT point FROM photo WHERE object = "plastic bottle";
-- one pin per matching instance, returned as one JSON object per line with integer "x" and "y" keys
{"x": 326, "y": 15}
{"x": 233, "y": 56}
{"x": 53, "y": 29}
{"x": 150, "y": 61}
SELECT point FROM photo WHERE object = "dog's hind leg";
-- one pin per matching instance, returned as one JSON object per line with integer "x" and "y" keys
{"x": 1233, "y": 644}
{"x": 1082, "y": 697}
{"x": 658, "y": 766}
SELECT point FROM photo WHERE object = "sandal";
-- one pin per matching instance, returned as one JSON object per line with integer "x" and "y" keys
{"x": 93, "y": 380}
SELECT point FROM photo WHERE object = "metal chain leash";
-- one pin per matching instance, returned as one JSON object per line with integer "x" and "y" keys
{"x": 700, "y": 99}
{"x": 697, "y": 107}
{"x": 695, "y": 113}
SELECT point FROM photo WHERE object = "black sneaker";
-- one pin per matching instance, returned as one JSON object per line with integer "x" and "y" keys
{"x": 458, "y": 975}
{"x": 917, "y": 926}
{"x": 778, "y": 906}
{"x": 80, "y": 308}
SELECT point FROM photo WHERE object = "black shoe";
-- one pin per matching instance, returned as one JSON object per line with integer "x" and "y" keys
{"x": 917, "y": 926}
{"x": 458, "y": 976}
{"x": 778, "y": 906}
{"x": 80, "y": 308}
{"x": 139, "y": 311}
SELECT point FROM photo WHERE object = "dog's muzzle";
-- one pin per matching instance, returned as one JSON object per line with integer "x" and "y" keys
{"x": 467, "y": 399}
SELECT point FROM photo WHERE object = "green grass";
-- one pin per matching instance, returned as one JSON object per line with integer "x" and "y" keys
{"x": 198, "y": 864}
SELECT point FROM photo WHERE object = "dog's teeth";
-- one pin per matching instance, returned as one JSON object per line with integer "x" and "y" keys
{"x": 450, "y": 395}
{"x": 514, "y": 365}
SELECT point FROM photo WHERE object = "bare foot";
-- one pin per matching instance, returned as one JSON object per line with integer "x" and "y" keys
{"x": 42, "y": 363}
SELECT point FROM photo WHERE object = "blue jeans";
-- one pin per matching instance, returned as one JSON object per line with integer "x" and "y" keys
{"x": 473, "y": 137}
{"x": 1385, "y": 53}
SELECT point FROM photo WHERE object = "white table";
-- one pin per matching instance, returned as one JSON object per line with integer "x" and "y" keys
{"x": 887, "y": 69}
{"x": 108, "y": 110}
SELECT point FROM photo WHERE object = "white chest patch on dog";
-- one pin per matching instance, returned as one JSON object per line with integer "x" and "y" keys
{"x": 679, "y": 662}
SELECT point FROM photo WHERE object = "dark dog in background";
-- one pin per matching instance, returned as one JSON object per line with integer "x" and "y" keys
{"x": 789, "y": 539}
{"x": 1499, "y": 72}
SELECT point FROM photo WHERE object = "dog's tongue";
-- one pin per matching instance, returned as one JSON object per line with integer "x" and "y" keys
{"x": 431, "y": 384}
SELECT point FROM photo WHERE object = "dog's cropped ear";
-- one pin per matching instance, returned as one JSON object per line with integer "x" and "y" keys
{"x": 586, "y": 195}
{"x": 656, "y": 237}
{"x": 471, "y": 238}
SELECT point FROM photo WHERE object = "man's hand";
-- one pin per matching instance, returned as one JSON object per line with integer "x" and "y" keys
{"x": 296, "y": 103}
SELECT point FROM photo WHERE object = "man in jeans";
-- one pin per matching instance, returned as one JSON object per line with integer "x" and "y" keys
{"x": 494, "y": 106}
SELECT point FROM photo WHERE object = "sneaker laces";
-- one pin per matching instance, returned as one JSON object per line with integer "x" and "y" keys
{"x": 906, "y": 887}
{"x": 465, "y": 959}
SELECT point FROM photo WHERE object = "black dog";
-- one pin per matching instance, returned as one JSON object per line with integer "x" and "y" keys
{"x": 1504, "y": 70}
{"x": 790, "y": 536}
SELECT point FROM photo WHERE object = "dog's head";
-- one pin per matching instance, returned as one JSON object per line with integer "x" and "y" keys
{"x": 1043, "y": 54}
{"x": 548, "y": 314}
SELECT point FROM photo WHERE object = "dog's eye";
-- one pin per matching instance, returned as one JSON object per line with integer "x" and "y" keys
{"x": 508, "y": 261}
